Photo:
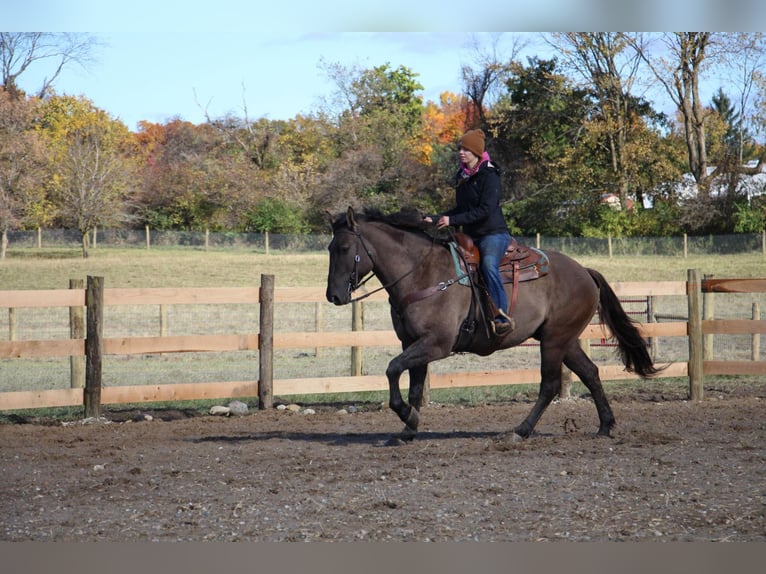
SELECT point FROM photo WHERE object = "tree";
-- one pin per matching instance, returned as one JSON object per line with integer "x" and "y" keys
{"x": 745, "y": 56}
{"x": 254, "y": 138}
{"x": 679, "y": 68}
{"x": 608, "y": 68}
{"x": 379, "y": 125}
{"x": 275, "y": 216}
{"x": 93, "y": 179}
{"x": 22, "y": 161}
{"x": 21, "y": 50}
{"x": 483, "y": 78}
{"x": 535, "y": 124}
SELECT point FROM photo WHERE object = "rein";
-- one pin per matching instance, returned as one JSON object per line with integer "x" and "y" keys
{"x": 355, "y": 283}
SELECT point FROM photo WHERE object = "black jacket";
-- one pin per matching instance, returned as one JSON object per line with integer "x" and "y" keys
{"x": 477, "y": 197}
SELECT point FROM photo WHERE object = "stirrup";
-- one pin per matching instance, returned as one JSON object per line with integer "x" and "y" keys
{"x": 505, "y": 316}
{"x": 502, "y": 328}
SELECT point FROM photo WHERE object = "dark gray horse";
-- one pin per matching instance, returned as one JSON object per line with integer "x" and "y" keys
{"x": 429, "y": 307}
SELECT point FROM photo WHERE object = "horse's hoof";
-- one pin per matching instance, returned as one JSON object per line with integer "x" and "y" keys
{"x": 395, "y": 441}
{"x": 508, "y": 441}
{"x": 413, "y": 421}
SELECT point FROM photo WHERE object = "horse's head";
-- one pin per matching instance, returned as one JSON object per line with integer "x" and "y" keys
{"x": 349, "y": 259}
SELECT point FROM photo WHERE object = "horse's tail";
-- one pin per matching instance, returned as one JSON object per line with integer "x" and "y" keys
{"x": 633, "y": 348}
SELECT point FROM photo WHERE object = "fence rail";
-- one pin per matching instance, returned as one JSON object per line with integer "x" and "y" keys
{"x": 93, "y": 346}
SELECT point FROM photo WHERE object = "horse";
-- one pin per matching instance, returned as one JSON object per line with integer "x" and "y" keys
{"x": 430, "y": 305}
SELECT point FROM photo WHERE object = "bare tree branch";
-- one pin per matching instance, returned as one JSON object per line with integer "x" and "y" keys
{"x": 20, "y": 50}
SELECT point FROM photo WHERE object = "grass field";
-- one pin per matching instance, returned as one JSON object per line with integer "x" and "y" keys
{"x": 167, "y": 267}
{"x": 53, "y": 268}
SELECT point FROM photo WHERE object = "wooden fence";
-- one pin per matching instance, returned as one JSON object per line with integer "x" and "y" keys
{"x": 90, "y": 345}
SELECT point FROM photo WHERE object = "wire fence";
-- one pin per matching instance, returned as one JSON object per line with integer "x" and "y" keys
{"x": 599, "y": 246}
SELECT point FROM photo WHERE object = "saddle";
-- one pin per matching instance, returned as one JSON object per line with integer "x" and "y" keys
{"x": 520, "y": 263}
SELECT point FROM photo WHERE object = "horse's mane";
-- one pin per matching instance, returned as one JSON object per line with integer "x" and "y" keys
{"x": 407, "y": 219}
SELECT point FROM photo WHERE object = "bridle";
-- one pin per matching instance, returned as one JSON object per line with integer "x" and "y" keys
{"x": 355, "y": 282}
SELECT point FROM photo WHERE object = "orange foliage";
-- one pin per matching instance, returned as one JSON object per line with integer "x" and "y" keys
{"x": 442, "y": 124}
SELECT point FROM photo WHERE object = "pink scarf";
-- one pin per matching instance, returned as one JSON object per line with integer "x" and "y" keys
{"x": 469, "y": 172}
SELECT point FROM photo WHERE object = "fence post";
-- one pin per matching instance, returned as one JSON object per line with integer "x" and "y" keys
{"x": 708, "y": 312}
{"x": 39, "y": 237}
{"x": 755, "y": 349}
{"x": 685, "y": 246}
{"x": 76, "y": 331}
{"x": 266, "y": 344}
{"x": 318, "y": 325}
{"x": 694, "y": 332}
{"x": 357, "y": 324}
{"x": 94, "y": 305}
{"x": 163, "y": 320}
{"x": 650, "y": 318}
{"x": 11, "y": 324}
{"x": 148, "y": 238}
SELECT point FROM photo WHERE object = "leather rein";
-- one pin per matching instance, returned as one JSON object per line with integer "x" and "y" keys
{"x": 354, "y": 281}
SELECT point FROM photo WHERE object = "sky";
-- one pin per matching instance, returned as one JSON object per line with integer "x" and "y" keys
{"x": 156, "y": 76}
{"x": 157, "y": 60}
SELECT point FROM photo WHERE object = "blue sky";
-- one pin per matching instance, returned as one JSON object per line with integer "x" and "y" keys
{"x": 159, "y": 60}
{"x": 155, "y": 76}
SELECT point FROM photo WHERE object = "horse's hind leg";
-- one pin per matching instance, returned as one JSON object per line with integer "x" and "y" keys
{"x": 550, "y": 384}
{"x": 581, "y": 365}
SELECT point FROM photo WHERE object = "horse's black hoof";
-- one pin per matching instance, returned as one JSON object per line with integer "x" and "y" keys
{"x": 395, "y": 441}
{"x": 508, "y": 441}
{"x": 413, "y": 421}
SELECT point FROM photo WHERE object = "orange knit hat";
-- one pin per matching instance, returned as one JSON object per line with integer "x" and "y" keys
{"x": 473, "y": 141}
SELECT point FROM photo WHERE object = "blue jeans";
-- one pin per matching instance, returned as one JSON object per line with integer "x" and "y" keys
{"x": 492, "y": 248}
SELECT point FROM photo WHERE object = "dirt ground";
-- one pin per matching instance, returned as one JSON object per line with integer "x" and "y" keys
{"x": 673, "y": 471}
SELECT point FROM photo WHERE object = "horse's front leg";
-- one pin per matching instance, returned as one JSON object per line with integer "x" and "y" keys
{"x": 408, "y": 413}
{"x": 415, "y": 359}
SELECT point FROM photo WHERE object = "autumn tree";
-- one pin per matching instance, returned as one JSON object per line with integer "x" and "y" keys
{"x": 94, "y": 172}
{"x": 22, "y": 162}
{"x": 378, "y": 115}
{"x": 607, "y": 66}
{"x": 483, "y": 77}
{"x": 193, "y": 177}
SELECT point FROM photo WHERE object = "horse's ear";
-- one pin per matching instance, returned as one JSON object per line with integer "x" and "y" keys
{"x": 329, "y": 218}
{"x": 351, "y": 218}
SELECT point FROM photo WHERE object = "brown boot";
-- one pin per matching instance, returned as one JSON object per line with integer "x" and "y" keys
{"x": 503, "y": 324}
{"x": 501, "y": 328}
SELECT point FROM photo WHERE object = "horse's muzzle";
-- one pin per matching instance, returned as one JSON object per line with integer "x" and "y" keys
{"x": 337, "y": 299}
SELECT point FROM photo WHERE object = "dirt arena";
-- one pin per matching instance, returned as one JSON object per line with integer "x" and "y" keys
{"x": 674, "y": 471}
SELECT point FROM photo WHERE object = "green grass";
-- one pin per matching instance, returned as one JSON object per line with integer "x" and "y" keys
{"x": 166, "y": 267}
